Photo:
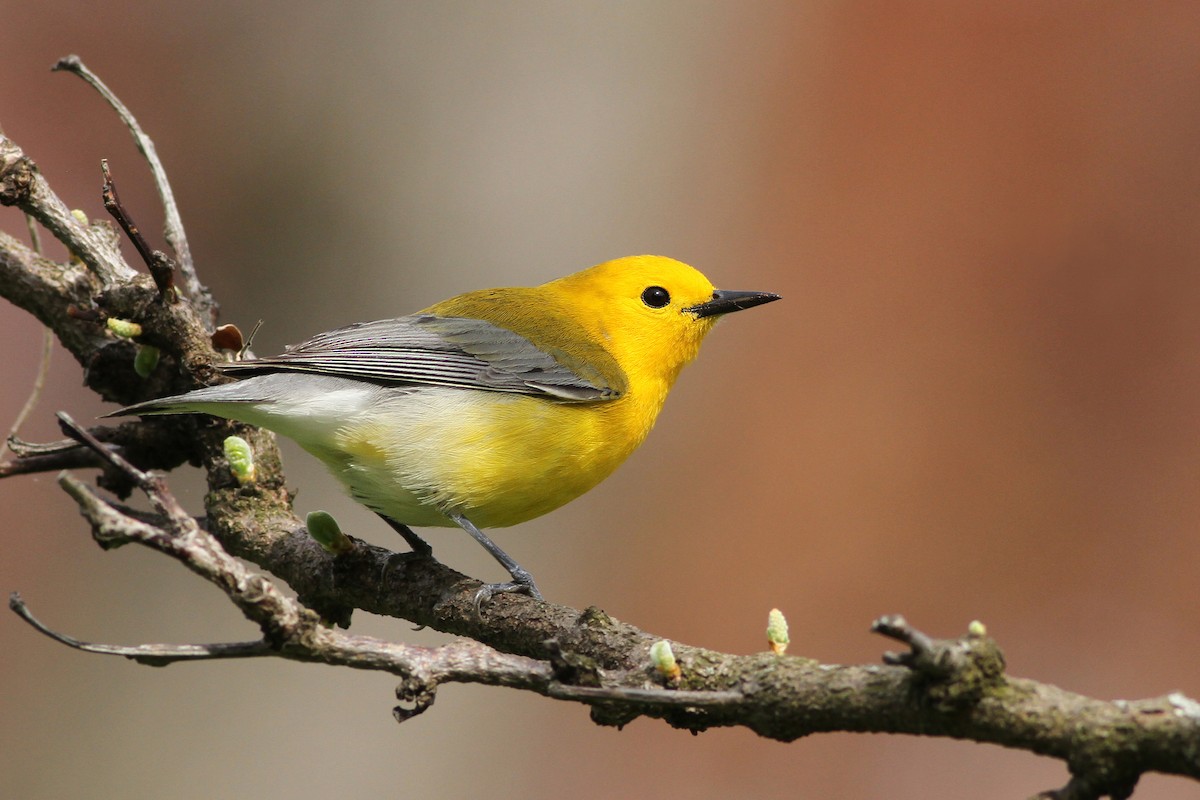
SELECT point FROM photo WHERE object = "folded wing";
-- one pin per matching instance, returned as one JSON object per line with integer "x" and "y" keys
{"x": 428, "y": 350}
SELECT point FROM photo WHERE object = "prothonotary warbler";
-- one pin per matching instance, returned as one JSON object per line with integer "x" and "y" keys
{"x": 487, "y": 409}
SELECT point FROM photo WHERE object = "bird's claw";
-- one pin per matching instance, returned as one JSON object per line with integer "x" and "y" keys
{"x": 490, "y": 590}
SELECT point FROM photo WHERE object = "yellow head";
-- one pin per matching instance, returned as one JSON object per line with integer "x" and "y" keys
{"x": 637, "y": 309}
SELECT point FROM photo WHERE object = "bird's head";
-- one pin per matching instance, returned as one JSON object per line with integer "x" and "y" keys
{"x": 650, "y": 312}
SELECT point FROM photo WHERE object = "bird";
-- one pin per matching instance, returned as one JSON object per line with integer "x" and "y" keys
{"x": 487, "y": 409}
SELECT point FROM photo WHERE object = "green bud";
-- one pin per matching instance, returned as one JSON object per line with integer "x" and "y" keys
{"x": 976, "y": 629}
{"x": 241, "y": 458}
{"x": 324, "y": 529}
{"x": 124, "y": 328}
{"x": 664, "y": 659}
{"x": 146, "y": 360}
{"x": 777, "y": 632}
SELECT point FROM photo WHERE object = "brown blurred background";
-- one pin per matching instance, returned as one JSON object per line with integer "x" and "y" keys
{"x": 977, "y": 399}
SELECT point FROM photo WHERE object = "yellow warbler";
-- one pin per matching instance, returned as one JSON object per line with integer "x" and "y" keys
{"x": 487, "y": 409}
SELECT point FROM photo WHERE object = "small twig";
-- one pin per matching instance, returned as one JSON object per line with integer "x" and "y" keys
{"x": 106, "y": 434}
{"x": 39, "y": 383}
{"x": 173, "y": 223}
{"x": 155, "y": 655}
{"x": 35, "y": 238}
{"x": 161, "y": 267}
{"x": 895, "y": 626}
{"x": 147, "y": 446}
{"x": 152, "y": 485}
{"x": 937, "y": 658}
{"x": 80, "y": 434}
{"x": 67, "y": 458}
{"x": 23, "y": 448}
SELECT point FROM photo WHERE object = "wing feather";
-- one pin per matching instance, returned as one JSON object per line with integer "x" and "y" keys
{"x": 425, "y": 349}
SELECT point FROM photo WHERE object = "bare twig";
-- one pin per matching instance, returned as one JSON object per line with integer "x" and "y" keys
{"x": 39, "y": 381}
{"x": 152, "y": 654}
{"x": 35, "y": 238}
{"x": 33, "y": 463}
{"x": 153, "y": 486}
{"x": 147, "y": 446}
{"x": 937, "y": 658}
{"x": 39, "y": 384}
{"x": 22, "y": 448}
{"x": 161, "y": 267}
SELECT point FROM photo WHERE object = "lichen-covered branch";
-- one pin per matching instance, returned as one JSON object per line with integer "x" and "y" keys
{"x": 939, "y": 687}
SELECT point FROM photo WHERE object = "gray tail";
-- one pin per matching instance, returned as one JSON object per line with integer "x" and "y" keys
{"x": 261, "y": 389}
{"x": 186, "y": 403}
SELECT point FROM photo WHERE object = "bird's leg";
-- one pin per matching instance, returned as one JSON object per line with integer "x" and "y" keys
{"x": 418, "y": 545}
{"x": 521, "y": 581}
{"x": 420, "y": 548}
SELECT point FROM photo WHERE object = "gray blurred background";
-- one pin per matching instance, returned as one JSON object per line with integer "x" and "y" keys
{"x": 977, "y": 399}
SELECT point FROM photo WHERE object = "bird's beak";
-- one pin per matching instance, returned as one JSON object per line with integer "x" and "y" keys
{"x": 724, "y": 302}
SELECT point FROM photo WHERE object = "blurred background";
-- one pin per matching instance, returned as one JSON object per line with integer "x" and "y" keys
{"x": 978, "y": 398}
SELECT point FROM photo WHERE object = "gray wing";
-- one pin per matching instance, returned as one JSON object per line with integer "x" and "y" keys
{"x": 427, "y": 350}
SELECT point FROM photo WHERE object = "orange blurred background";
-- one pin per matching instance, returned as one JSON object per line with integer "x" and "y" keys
{"x": 977, "y": 399}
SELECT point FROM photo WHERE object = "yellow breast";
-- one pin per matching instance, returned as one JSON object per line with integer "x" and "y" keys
{"x": 496, "y": 458}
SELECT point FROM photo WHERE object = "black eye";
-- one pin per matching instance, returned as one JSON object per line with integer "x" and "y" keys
{"x": 656, "y": 297}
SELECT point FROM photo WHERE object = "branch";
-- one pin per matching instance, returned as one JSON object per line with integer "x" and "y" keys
{"x": 154, "y": 655}
{"x": 943, "y": 687}
{"x": 162, "y": 268}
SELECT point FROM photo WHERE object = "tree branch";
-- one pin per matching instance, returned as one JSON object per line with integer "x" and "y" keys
{"x": 940, "y": 687}
{"x": 155, "y": 655}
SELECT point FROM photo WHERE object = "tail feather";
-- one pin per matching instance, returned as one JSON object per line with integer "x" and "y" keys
{"x": 269, "y": 400}
{"x": 263, "y": 389}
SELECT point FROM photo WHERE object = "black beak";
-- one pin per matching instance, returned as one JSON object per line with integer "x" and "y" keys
{"x": 724, "y": 302}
